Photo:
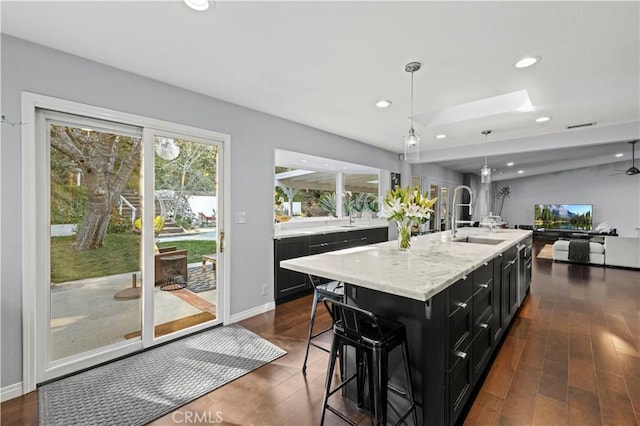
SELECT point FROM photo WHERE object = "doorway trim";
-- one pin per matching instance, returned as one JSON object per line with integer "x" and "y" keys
{"x": 33, "y": 101}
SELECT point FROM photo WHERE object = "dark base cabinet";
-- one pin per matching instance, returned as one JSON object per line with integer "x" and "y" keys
{"x": 289, "y": 284}
{"x": 452, "y": 337}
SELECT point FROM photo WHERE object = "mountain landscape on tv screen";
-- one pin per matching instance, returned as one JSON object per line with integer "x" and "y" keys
{"x": 563, "y": 216}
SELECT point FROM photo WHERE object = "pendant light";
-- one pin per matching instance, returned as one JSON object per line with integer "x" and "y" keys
{"x": 485, "y": 172}
{"x": 412, "y": 141}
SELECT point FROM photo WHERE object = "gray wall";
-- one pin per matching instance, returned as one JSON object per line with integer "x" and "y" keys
{"x": 615, "y": 199}
{"x": 254, "y": 136}
{"x": 433, "y": 172}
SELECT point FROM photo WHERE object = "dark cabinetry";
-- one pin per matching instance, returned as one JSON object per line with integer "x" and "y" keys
{"x": 509, "y": 285}
{"x": 459, "y": 343}
{"x": 289, "y": 284}
{"x": 454, "y": 335}
{"x": 470, "y": 334}
{"x": 483, "y": 324}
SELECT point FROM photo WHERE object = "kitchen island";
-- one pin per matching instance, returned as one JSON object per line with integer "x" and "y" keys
{"x": 456, "y": 298}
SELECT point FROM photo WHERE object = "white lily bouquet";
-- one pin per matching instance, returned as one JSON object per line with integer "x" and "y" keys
{"x": 407, "y": 207}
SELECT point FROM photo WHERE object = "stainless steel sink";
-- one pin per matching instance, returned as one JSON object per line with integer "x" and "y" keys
{"x": 478, "y": 240}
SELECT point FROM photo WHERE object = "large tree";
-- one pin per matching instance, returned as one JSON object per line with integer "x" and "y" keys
{"x": 107, "y": 161}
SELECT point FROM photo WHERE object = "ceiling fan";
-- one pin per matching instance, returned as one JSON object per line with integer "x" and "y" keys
{"x": 633, "y": 170}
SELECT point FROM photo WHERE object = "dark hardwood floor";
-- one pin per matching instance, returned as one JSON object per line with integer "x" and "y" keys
{"x": 571, "y": 357}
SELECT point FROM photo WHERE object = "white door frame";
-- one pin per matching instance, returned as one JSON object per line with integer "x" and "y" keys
{"x": 32, "y": 274}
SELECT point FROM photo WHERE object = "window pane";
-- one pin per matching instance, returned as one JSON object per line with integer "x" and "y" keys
{"x": 303, "y": 193}
{"x": 361, "y": 194}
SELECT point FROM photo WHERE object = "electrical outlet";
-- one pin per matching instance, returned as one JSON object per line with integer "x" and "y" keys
{"x": 265, "y": 289}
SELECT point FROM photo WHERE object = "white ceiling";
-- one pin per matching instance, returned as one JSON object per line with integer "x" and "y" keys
{"x": 325, "y": 64}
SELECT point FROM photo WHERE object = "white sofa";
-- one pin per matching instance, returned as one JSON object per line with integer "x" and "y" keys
{"x": 596, "y": 252}
{"x": 622, "y": 251}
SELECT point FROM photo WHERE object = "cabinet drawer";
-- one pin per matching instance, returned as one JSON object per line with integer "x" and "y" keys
{"x": 460, "y": 332}
{"x": 459, "y": 293}
{"x": 482, "y": 276}
{"x": 484, "y": 321}
{"x": 482, "y": 347}
{"x": 460, "y": 379}
{"x": 509, "y": 256}
{"x": 483, "y": 301}
{"x": 321, "y": 239}
{"x": 378, "y": 235}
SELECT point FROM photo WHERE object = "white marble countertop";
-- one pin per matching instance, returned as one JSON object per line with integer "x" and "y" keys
{"x": 326, "y": 227}
{"x": 433, "y": 263}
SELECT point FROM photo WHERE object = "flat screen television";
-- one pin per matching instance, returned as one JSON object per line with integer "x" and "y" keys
{"x": 563, "y": 216}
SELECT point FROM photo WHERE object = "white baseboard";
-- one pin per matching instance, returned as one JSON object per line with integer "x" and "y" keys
{"x": 10, "y": 392}
{"x": 252, "y": 312}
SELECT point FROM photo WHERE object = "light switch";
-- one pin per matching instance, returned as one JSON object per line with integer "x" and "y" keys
{"x": 241, "y": 217}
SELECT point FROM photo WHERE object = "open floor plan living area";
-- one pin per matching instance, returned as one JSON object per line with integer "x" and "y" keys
{"x": 311, "y": 212}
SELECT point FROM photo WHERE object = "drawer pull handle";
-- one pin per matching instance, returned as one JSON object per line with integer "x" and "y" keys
{"x": 464, "y": 277}
{"x": 485, "y": 264}
{"x": 484, "y": 285}
{"x": 500, "y": 255}
{"x": 483, "y": 325}
{"x": 460, "y": 354}
{"x": 462, "y": 305}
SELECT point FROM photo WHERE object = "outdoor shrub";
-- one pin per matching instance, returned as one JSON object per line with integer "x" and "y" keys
{"x": 119, "y": 224}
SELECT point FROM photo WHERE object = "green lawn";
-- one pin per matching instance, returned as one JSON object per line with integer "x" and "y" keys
{"x": 120, "y": 254}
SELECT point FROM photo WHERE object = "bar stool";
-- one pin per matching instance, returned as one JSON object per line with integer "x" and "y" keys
{"x": 373, "y": 338}
{"x": 332, "y": 290}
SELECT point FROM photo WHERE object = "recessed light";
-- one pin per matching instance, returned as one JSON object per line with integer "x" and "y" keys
{"x": 383, "y": 103}
{"x": 441, "y": 136}
{"x": 198, "y": 5}
{"x": 344, "y": 168}
{"x": 542, "y": 119}
{"x": 520, "y": 172}
{"x": 527, "y": 62}
{"x": 304, "y": 161}
{"x": 509, "y": 164}
{"x": 619, "y": 154}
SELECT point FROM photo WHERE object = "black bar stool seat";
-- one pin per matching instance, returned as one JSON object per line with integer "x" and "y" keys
{"x": 373, "y": 338}
{"x": 332, "y": 290}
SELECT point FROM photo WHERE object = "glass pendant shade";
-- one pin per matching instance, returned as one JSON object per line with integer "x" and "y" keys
{"x": 485, "y": 174}
{"x": 412, "y": 146}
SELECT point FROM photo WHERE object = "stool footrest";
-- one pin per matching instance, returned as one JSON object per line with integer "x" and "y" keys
{"x": 319, "y": 347}
{"x": 342, "y": 416}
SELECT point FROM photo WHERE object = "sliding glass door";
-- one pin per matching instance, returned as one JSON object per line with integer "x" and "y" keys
{"x": 185, "y": 262}
{"x": 128, "y": 239}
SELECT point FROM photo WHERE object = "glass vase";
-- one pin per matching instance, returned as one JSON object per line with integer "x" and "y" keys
{"x": 404, "y": 235}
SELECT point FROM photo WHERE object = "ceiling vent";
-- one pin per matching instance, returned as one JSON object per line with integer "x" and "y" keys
{"x": 577, "y": 126}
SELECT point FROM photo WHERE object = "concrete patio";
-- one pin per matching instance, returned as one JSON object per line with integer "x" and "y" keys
{"x": 85, "y": 315}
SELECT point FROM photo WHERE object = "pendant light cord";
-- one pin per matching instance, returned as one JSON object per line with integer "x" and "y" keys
{"x": 412, "y": 100}
{"x": 486, "y": 137}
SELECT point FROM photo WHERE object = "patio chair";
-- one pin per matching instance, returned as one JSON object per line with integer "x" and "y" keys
{"x": 209, "y": 220}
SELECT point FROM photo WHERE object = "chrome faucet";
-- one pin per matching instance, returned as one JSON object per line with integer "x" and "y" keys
{"x": 455, "y": 207}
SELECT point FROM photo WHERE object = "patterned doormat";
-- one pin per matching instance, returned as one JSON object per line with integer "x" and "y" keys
{"x": 200, "y": 280}
{"x": 143, "y": 387}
